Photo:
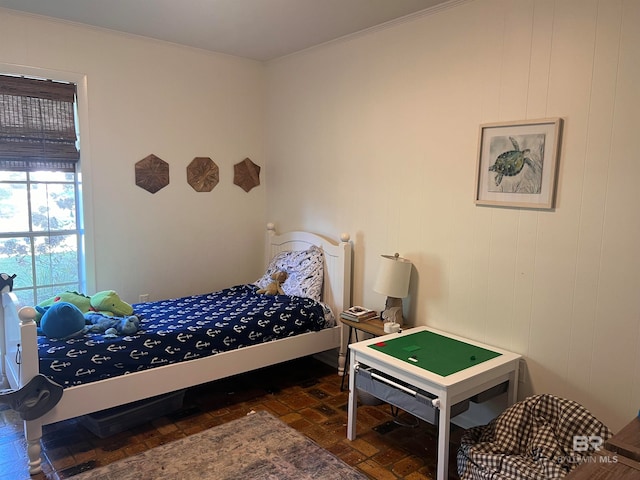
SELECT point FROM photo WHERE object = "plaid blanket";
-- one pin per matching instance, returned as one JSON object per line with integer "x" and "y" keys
{"x": 541, "y": 437}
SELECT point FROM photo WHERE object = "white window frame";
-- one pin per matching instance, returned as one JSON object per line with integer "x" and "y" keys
{"x": 84, "y": 166}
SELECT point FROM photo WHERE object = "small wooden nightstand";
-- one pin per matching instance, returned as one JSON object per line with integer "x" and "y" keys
{"x": 619, "y": 459}
{"x": 373, "y": 326}
{"x": 627, "y": 441}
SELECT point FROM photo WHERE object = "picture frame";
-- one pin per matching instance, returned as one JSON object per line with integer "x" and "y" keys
{"x": 518, "y": 163}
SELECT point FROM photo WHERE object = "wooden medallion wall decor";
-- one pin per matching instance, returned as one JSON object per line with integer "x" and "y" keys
{"x": 203, "y": 174}
{"x": 152, "y": 173}
{"x": 246, "y": 174}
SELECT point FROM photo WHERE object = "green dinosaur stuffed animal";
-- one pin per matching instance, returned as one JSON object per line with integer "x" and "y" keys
{"x": 108, "y": 302}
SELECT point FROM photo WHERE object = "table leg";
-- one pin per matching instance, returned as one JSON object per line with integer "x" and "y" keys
{"x": 353, "y": 402}
{"x": 512, "y": 392}
{"x": 443, "y": 438}
{"x": 346, "y": 359}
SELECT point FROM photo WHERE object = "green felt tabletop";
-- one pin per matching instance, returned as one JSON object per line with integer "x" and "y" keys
{"x": 435, "y": 353}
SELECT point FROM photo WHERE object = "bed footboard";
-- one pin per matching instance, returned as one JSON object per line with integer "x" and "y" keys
{"x": 19, "y": 343}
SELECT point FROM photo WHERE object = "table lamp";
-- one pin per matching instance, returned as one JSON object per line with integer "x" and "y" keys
{"x": 393, "y": 281}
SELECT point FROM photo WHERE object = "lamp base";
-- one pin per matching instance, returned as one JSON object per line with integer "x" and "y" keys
{"x": 392, "y": 310}
{"x": 390, "y": 327}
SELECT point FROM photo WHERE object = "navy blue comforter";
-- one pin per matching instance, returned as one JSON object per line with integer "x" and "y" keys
{"x": 178, "y": 330}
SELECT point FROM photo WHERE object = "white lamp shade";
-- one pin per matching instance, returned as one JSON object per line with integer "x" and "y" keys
{"x": 393, "y": 276}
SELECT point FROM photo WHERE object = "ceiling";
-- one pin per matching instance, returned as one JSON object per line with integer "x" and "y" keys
{"x": 257, "y": 29}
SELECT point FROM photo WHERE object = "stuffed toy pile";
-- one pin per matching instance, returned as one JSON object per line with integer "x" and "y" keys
{"x": 72, "y": 313}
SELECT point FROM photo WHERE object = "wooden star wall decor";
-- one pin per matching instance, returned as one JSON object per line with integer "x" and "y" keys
{"x": 152, "y": 173}
{"x": 246, "y": 174}
{"x": 203, "y": 174}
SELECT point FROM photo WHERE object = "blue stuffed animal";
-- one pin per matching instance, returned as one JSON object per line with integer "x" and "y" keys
{"x": 61, "y": 320}
{"x": 112, "y": 326}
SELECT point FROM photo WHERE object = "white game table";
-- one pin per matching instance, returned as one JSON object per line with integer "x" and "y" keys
{"x": 448, "y": 390}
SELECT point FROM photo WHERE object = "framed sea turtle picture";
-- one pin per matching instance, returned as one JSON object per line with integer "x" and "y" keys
{"x": 518, "y": 163}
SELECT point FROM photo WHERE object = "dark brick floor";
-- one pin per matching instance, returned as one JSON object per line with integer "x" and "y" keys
{"x": 305, "y": 394}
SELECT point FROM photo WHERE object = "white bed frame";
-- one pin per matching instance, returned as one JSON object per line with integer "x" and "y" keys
{"x": 20, "y": 355}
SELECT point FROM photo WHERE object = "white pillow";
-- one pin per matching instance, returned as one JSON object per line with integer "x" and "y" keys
{"x": 305, "y": 269}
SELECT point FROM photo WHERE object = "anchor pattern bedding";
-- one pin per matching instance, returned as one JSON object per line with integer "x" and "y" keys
{"x": 182, "y": 329}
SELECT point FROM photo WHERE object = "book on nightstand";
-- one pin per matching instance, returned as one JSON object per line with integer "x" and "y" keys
{"x": 358, "y": 314}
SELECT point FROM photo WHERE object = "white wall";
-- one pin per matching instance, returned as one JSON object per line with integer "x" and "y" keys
{"x": 177, "y": 103}
{"x": 377, "y": 136}
{"x": 394, "y": 116}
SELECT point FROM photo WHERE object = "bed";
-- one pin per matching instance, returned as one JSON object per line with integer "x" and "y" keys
{"x": 21, "y": 359}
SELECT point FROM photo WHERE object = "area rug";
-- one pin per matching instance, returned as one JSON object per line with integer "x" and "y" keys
{"x": 257, "y": 446}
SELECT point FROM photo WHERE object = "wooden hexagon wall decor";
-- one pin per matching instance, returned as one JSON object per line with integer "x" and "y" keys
{"x": 203, "y": 174}
{"x": 152, "y": 173}
{"x": 246, "y": 174}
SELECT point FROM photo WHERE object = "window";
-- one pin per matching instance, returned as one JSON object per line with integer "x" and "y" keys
{"x": 41, "y": 235}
